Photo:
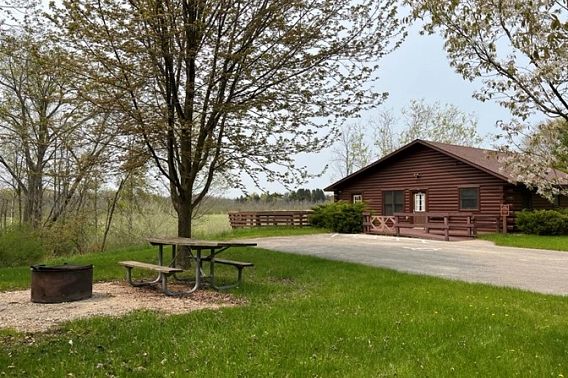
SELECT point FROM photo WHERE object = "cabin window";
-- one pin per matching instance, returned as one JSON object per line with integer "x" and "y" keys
{"x": 469, "y": 198}
{"x": 556, "y": 201}
{"x": 393, "y": 202}
{"x": 357, "y": 198}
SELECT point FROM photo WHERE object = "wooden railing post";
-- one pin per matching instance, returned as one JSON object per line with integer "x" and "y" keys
{"x": 446, "y": 228}
{"x": 366, "y": 222}
{"x": 396, "y": 228}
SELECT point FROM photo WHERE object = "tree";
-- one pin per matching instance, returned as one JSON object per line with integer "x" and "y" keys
{"x": 517, "y": 47}
{"x": 434, "y": 122}
{"x": 13, "y": 11}
{"x": 351, "y": 152}
{"x": 518, "y": 50}
{"x": 49, "y": 135}
{"x": 222, "y": 87}
{"x": 385, "y": 136}
{"x": 542, "y": 150}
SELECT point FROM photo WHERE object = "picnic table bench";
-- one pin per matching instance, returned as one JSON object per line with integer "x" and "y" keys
{"x": 164, "y": 271}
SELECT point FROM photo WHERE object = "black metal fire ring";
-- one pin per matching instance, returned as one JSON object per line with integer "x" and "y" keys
{"x": 61, "y": 283}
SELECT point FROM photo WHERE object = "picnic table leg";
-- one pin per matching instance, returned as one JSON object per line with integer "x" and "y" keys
{"x": 164, "y": 279}
{"x": 198, "y": 270}
{"x": 143, "y": 283}
{"x": 199, "y": 267}
{"x": 140, "y": 283}
{"x": 212, "y": 269}
{"x": 173, "y": 264}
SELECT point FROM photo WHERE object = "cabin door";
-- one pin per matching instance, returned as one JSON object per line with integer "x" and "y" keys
{"x": 419, "y": 207}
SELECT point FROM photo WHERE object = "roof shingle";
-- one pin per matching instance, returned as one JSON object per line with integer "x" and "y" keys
{"x": 490, "y": 161}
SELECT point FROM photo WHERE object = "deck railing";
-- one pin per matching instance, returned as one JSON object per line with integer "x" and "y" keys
{"x": 378, "y": 224}
{"x": 296, "y": 218}
{"x": 466, "y": 223}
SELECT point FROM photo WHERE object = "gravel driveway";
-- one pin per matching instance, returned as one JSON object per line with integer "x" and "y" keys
{"x": 473, "y": 261}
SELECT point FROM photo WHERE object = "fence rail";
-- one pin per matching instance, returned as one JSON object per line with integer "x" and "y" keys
{"x": 242, "y": 219}
{"x": 463, "y": 224}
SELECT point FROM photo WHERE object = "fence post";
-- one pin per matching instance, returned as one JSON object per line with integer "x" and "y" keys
{"x": 446, "y": 228}
{"x": 396, "y": 228}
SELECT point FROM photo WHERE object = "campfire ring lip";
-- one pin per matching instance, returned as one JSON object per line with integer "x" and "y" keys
{"x": 60, "y": 268}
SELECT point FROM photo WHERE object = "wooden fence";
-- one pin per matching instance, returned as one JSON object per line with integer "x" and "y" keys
{"x": 296, "y": 218}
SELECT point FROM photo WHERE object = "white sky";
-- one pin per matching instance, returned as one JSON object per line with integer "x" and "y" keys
{"x": 417, "y": 70}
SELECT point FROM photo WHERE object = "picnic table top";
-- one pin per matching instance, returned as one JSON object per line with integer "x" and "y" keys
{"x": 189, "y": 242}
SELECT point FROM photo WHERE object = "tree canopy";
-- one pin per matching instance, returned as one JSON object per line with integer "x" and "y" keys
{"x": 435, "y": 122}
{"x": 221, "y": 87}
{"x": 517, "y": 49}
{"x": 352, "y": 150}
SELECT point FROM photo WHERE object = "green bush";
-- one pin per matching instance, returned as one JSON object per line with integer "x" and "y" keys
{"x": 563, "y": 210}
{"x": 543, "y": 222}
{"x": 20, "y": 246}
{"x": 339, "y": 216}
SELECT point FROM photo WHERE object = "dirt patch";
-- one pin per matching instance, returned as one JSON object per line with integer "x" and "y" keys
{"x": 109, "y": 299}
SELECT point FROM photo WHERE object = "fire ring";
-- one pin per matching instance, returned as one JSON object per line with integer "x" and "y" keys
{"x": 61, "y": 283}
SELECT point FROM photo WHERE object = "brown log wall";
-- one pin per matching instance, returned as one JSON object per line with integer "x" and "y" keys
{"x": 516, "y": 196}
{"x": 440, "y": 176}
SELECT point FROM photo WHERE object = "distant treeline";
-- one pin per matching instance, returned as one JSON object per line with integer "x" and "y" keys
{"x": 300, "y": 195}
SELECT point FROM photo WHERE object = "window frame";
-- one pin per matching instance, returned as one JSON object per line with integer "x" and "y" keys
{"x": 478, "y": 198}
{"x": 424, "y": 201}
{"x": 393, "y": 203}
{"x": 357, "y": 200}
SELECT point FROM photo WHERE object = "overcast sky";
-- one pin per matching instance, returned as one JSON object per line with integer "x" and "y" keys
{"x": 417, "y": 70}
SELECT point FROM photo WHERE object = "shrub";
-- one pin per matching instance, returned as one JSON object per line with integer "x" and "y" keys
{"x": 20, "y": 246}
{"x": 339, "y": 216}
{"x": 563, "y": 210}
{"x": 543, "y": 222}
{"x": 68, "y": 236}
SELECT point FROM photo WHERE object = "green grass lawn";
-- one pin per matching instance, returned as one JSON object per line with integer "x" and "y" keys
{"x": 557, "y": 243}
{"x": 307, "y": 317}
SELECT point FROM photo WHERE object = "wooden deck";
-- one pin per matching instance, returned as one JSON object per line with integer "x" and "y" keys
{"x": 435, "y": 226}
{"x": 420, "y": 233}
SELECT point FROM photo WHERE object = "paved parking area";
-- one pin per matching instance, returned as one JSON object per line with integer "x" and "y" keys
{"x": 473, "y": 260}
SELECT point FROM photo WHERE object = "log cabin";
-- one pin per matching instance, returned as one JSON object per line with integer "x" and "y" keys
{"x": 426, "y": 177}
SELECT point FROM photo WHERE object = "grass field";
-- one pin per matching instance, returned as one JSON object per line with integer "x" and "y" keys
{"x": 107, "y": 269}
{"x": 308, "y": 317}
{"x": 557, "y": 243}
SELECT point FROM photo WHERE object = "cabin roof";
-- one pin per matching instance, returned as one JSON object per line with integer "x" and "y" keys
{"x": 485, "y": 160}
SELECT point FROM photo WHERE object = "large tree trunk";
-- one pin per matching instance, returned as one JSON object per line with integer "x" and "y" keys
{"x": 184, "y": 210}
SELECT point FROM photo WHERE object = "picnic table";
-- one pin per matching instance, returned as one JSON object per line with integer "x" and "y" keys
{"x": 195, "y": 249}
